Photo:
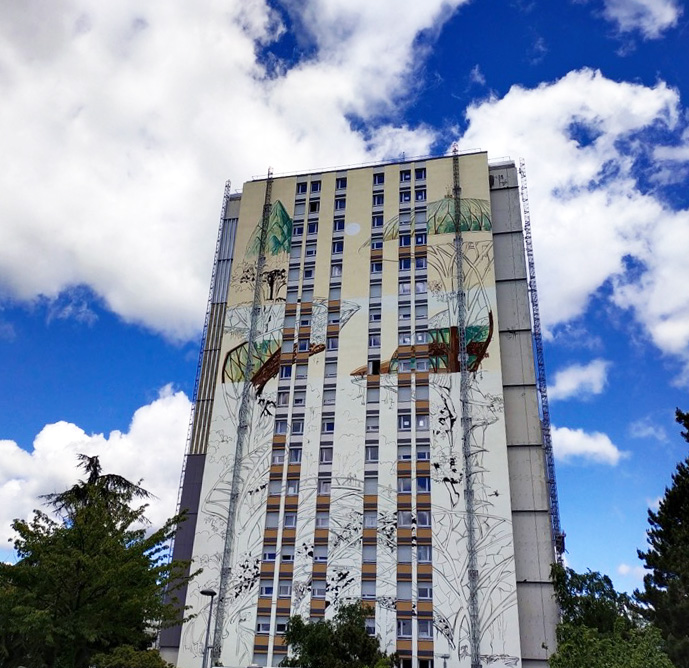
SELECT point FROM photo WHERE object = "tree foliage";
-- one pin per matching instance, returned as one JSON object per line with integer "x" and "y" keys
{"x": 665, "y": 595}
{"x": 342, "y": 642}
{"x": 87, "y": 582}
{"x": 601, "y": 627}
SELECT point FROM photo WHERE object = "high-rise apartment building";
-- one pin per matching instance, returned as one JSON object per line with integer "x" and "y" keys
{"x": 366, "y": 421}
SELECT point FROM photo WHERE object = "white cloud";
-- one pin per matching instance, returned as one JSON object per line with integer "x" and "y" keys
{"x": 654, "y": 504}
{"x": 596, "y": 447}
{"x": 581, "y": 137}
{"x": 650, "y": 17}
{"x": 645, "y": 428}
{"x": 124, "y": 120}
{"x": 151, "y": 450}
{"x": 635, "y": 572}
{"x": 580, "y": 381}
{"x": 476, "y": 76}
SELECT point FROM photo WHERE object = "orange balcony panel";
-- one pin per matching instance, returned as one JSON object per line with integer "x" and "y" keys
{"x": 304, "y": 331}
{"x": 405, "y": 251}
{"x": 377, "y": 254}
{"x": 279, "y": 439}
{"x": 306, "y": 308}
{"x": 404, "y": 608}
{"x": 320, "y": 567}
{"x": 422, "y": 406}
{"x": 261, "y": 642}
{"x": 425, "y": 570}
{"x": 420, "y": 250}
{"x": 368, "y": 570}
{"x": 286, "y": 569}
{"x": 267, "y": 567}
{"x": 273, "y": 503}
{"x": 276, "y": 470}
{"x": 278, "y": 641}
{"x": 425, "y": 648}
{"x": 320, "y": 536}
{"x": 404, "y": 468}
{"x": 404, "y": 571}
{"x": 290, "y": 309}
{"x": 288, "y": 534}
{"x": 423, "y": 501}
{"x": 404, "y": 502}
{"x": 333, "y": 329}
{"x": 302, "y": 358}
{"x": 283, "y": 607}
{"x": 373, "y": 380}
{"x": 334, "y": 304}
{"x": 404, "y": 378}
{"x": 404, "y": 646}
{"x": 424, "y": 532}
{"x": 370, "y": 533}
{"x": 288, "y": 333}
{"x": 425, "y": 608}
{"x": 403, "y": 535}
{"x": 293, "y": 470}
{"x": 317, "y": 605}
{"x": 423, "y": 466}
{"x": 422, "y": 377}
{"x": 323, "y": 500}
{"x": 271, "y": 534}
{"x": 291, "y": 503}
{"x": 370, "y": 500}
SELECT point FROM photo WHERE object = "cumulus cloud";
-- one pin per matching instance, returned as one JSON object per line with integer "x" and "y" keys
{"x": 635, "y": 572}
{"x": 593, "y": 225}
{"x": 570, "y": 444}
{"x": 650, "y": 17}
{"x": 123, "y": 122}
{"x": 152, "y": 450}
{"x": 579, "y": 380}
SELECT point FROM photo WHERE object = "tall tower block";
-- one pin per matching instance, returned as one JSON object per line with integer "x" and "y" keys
{"x": 366, "y": 422}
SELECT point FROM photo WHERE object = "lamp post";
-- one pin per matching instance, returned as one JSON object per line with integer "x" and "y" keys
{"x": 206, "y": 647}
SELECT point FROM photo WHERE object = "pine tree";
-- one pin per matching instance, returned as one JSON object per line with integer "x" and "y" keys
{"x": 666, "y": 588}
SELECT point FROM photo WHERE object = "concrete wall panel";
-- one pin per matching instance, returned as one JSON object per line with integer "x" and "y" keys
{"x": 517, "y": 358}
{"x": 533, "y": 547}
{"x": 513, "y": 305}
{"x": 521, "y": 416}
{"x": 505, "y": 207}
{"x": 509, "y": 256}
{"x": 527, "y": 478}
{"x": 537, "y": 604}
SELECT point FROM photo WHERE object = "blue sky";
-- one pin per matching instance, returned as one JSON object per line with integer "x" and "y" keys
{"x": 120, "y": 125}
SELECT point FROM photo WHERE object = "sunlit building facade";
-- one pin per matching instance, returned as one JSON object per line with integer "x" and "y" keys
{"x": 366, "y": 422}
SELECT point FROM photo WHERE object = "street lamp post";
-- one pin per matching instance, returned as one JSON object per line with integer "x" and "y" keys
{"x": 206, "y": 647}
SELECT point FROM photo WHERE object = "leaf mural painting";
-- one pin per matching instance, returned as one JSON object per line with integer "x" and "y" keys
{"x": 278, "y": 236}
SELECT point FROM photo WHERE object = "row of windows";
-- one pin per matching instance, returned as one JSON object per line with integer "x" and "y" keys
{"x": 405, "y": 197}
{"x": 404, "y": 423}
{"x": 404, "y": 453}
{"x": 424, "y": 554}
{"x": 405, "y": 264}
{"x": 404, "y": 626}
{"x": 378, "y": 180}
{"x": 404, "y": 485}
{"x": 405, "y": 519}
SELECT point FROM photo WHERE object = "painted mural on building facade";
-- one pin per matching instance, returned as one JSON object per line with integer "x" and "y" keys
{"x": 253, "y": 341}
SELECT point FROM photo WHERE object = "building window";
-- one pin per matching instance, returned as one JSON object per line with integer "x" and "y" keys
{"x": 330, "y": 369}
{"x": 404, "y": 518}
{"x": 425, "y": 629}
{"x": 287, "y": 553}
{"x": 325, "y": 456}
{"x": 422, "y": 337}
{"x": 368, "y": 554}
{"x": 424, "y": 554}
{"x": 404, "y": 452}
{"x": 404, "y": 590}
{"x": 274, "y": 488}
{"x": 374, "y": 341}
{"x": 420, "y": 287}
{"x": 334, "y": 318}
{"x": 329, "y": 396}
{"x": 297, "y": 230}
{"x": 404, "y": 313}
{"x": 370, "y": 624}
{"x": 420, "y": 262}
{"x": 302, "y": 371}
{"x": 376, "y": 291}
{"x": 340, "y": 203}
{"x": 322, "y": 520}
{"x": 423, "y": 518}
{"x": 338, "y": 225}
{"x": 423, "y": 484}
{"x": 370, "y": 485}
{"x": 405, "y": 175}
{"x": 338, "y": 247}
{"x": 315, "y": 186}
{"x": 278, "y": 457}
{"x": 290, "y": 520}
{"x": 404, "y": 554}
{"x": 423, "y": 452}
{"x": 266, "y": 588}
{"x": 272, "y": 520}
{"x": 422, "y": 364}
{"x": 301, "y": 188}
{"x": 376, "y": 244}
{"x": 425, "y": 591}
{"x": 405, "y": 264}
{"x": 405, "y": 196}
{"x": 299, "y": 398}
{"x": 420, "y": 239}
{"x": 280, "y": 426}
{"x": 308, "y": 273}
{"x": 336, "y": 270}
{"x": 312, "y": 228}
{"x": 378, "y": 179}
{"x": 334, "y": 294}
{"x": 371, "y": 453}
{"x": 371, "y": 423}
{"x": 281, "y": 625}
{"x": 370, "y": 519}
{"x": 324, "y": 487}
{"x": 404, "y": 628}
{"x": 422, "y": 422}
{"x": 328, "y": 426}
{"x": 294, "y": 455}
{"x": 372, "y": 395}
{"x": 320, "y": 553}
{"x": 378, "y": 199}
{"x": 404, "y": 485}
{"x": 263, "y": 623}
{"x": 374, "y": 315}
{"x": 332, "y": 343}
{"x": 405, "y": 288}
{"x": 310, "y": 250}
{"x": 376, "y": 267}
{"x": 404, "y": 338}
{"x": 292, "y": 487}
{"x": 341, "y": 183}
{"x": 269, "y": 554}
{"x": 404, "y": 422}
{"x": 374, "y": 367}
{"x": 284, "y": 588}
{"x": 377, "y": 221}
{"x": 405, "y": 240}
{"x": 304, "y": 321}
{"x": 283, "y": 398}
{"x": 420, "y": 173}
{"x": 420, "y": 195}
{"x": 303, "y": 345}
{"x": 368, "y": 589}
{"x": 314, "y": 206}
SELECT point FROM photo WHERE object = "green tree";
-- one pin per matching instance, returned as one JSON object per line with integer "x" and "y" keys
{"x": 600, "y": 627}
{"x": 128, "y": 657}
{"x": 665, "y": 595}
{"x": 341, "y": 642}
{"x": 89, "y": 581}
